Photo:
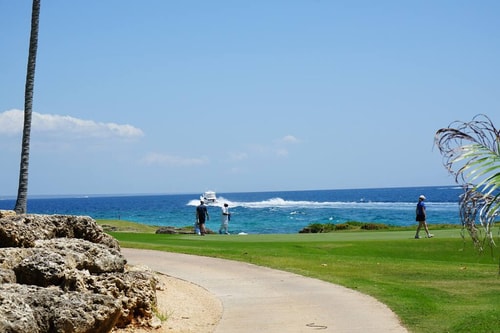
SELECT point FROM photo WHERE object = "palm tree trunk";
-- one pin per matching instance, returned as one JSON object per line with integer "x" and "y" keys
{"x": 22, "y": 192}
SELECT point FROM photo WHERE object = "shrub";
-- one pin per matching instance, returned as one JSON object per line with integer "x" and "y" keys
{"x": 342, "y": 226}
{"x": 312, "y": 228}
{"x": 355, "y": 223}
{"x": 329, "y": 227}
{"x": 316, "y": 228}
{"x": 374, "y": 226}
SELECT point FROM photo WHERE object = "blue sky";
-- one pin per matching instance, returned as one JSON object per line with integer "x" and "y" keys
{"x": 234, "y": 96}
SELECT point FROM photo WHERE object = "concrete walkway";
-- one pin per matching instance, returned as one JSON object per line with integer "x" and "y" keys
{"x": 259, "y": 299}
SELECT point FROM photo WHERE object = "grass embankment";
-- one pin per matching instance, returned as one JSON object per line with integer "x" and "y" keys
{"x": 434, "y": 285}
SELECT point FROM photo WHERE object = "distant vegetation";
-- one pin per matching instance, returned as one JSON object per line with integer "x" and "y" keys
{"x": 316, "y": 228}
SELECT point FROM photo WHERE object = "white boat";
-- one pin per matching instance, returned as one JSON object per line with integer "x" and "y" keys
{"x": 209, "y": 197}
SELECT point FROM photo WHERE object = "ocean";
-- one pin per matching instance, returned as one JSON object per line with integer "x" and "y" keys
{"x": 263, "y": 212}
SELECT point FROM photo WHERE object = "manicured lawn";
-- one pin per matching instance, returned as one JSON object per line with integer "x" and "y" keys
{"x": 434, "y": 285}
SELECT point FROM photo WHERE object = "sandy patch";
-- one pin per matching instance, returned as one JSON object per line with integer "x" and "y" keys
{"x": 184, "y": 307}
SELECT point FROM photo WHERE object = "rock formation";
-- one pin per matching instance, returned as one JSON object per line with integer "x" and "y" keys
{"x": 64, "y": 274}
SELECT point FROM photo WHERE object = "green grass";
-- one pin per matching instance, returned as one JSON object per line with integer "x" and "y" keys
{"x": 434, "y": 285}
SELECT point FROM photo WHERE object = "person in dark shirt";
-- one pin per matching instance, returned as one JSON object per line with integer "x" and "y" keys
{"x": 202, "y": 216}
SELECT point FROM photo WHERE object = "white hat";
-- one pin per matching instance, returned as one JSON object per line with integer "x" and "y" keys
{"x": 422, "y": 197}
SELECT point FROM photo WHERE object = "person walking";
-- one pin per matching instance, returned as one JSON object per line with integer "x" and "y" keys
{"x": 201, "y": 217}
{"x": 225, "y": 218}
{"x": 421, "y": 217}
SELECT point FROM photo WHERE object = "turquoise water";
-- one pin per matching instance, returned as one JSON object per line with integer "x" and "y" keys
{"x": 264, "y": 212}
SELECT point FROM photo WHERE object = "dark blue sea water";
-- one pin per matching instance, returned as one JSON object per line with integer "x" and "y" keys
{"x": 264, "y": 212}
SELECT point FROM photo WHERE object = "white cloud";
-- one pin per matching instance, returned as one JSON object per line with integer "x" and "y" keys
{"x": 11, "y": 123}
{"x": 277, "y": 148}
{"x": 280, "y": 149}
{"x": 289, "y": 139}
{"x": 170, "y": 160}
{"x": 281, "y": 152}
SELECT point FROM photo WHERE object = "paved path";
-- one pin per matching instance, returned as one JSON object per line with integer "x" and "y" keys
{"x": 260, "y": 299}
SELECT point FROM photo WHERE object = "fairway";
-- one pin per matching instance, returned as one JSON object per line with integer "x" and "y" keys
{"x": 440, "y": 284}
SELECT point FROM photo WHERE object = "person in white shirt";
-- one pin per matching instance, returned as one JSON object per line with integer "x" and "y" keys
{"x": 225, "y": 218}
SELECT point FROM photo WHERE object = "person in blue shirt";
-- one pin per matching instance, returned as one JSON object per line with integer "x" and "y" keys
{"x": 422, "y": 217}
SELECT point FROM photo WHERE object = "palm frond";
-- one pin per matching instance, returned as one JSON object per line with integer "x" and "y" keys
{"x": 471, "y": 152}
